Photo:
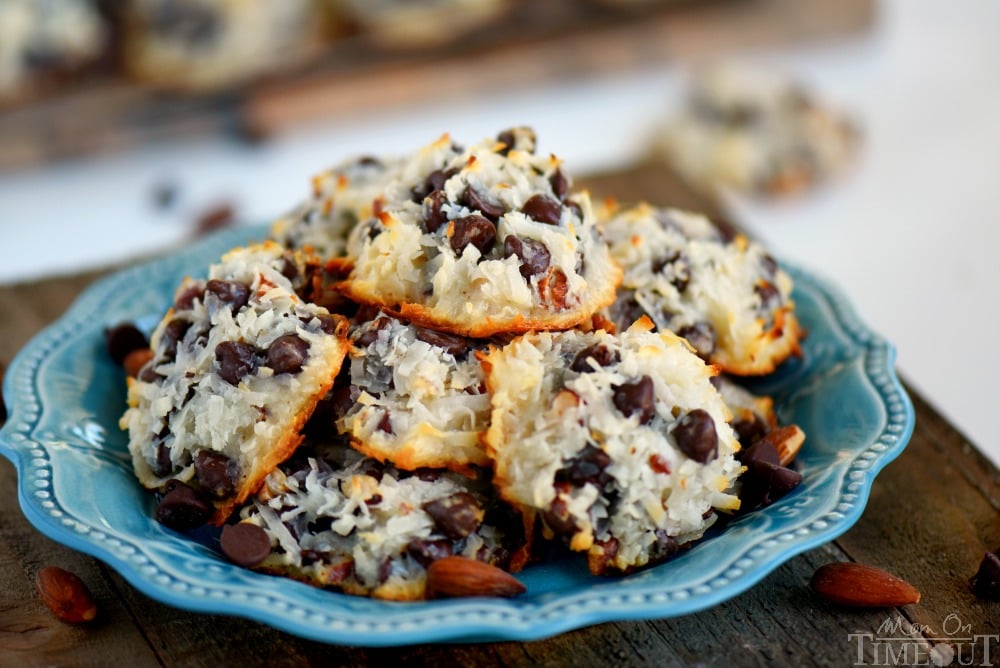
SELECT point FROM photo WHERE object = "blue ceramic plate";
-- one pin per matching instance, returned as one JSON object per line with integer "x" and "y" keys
{"x": 75, "y": 483}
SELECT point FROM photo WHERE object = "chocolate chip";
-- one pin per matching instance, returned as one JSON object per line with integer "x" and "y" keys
{"x": 750, "y": 429}
{"x": 190, "y": 23}
{"x": 701, "y": 336}
{"x": 664, "y": 546}
{"x": 245, "y": 544}
{"x": 229, "y": 292}
{"x": 123, "y": 339}
{"x": 543, "y": 208}
{"x": 434, "y": 214}
{"x": 507, "y": 139}
{"x": 638, "y": 397}
{"x": 3, "y": 406}
{"x": 589, "y": 466}
{"x": 761, "y": 450}
{"x": 599, "y": 352}
{"x": 534, "y": 256}
{"x": 434, "y": 181}
{"x": 186, "y": 297}
{"x": 986, "y": 582}
{"x": 455, "y": 516}
{"x": 425, "y": 551}
{"x": 328, "y": 324}
{"x": 235, "y": 359}
{"x": 289, "y": 269}
{"x": 163, "y": 465}
{"x": 427, "y": 474}
{"x": 479, "y": 201}
{"x": 172, "y": 334}
{"x": 769, "y": 295}
{"x": 216, "y": 473}
{"x": 765, "y": 482}
{"x": 679, "y": 266}
{"x": 625, "y": 311}
{"x": 287, "y": 354}
{"x": 385, "y": 569}
{"x": 182, "y": 507}
{"x": 369, "y": 334}
{"x": 474, "y": 230}
{"x": 455, "y": 345}
{"x": 696, "y": 437}
{"x": 769, "y": 265}
{"x": 558, "y": 518}
{"x": 560, "y": 184}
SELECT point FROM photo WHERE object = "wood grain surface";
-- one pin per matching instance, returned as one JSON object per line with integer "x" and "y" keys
{"x": 931, "y": 516}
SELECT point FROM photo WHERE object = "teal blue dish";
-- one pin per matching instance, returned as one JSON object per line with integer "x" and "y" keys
{"x": 76, "y": 486}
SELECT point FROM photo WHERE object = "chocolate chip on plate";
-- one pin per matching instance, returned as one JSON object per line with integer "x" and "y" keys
{"x": 122, "y": 339}
{"x": 245, "y": 544}
{"x": 182, "y": 507}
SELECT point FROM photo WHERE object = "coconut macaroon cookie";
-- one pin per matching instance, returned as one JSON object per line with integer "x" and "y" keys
{"x": 239, "y": 363}
{"x": 43, "y": 42}
{"x": 341, "y": 196}
{"x": 336, "y": 519}
{"x": 417, "y": 396}
{"x": 620, "y": 444}
{"x": 481, "y": 241}
{"x": 201, "y": 45}
{"x": 756, "y": 131}
{"x": 728, "y": 297}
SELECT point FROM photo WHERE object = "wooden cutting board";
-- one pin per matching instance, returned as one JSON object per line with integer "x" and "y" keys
{"x": 538, "y": 43}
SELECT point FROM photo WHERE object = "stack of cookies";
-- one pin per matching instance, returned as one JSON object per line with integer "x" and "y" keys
{"x": 453, "y": 354}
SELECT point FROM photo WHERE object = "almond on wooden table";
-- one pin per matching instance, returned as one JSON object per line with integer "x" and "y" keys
{"x": 862, "y": 586}
{"x": 461, "y": 576}
{"x": 66, "y": 595}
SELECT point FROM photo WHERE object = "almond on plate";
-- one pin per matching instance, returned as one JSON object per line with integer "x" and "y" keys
{"x": 461, "y": 576}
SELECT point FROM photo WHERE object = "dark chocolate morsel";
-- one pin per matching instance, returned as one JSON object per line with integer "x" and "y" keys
{"x": 245, "y": 544}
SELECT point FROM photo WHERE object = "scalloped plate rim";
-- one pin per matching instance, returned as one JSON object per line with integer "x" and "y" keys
{"x": 492, "y": 619}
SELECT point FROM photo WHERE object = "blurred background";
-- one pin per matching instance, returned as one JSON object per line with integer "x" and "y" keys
{"x": 857, "y": 139}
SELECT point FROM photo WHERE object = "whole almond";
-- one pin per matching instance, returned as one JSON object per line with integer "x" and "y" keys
{"x": 461, "y": 576}
{"x": 135, "y": 360}
{"x": 65, "y": 595}
{"x": 861, "y": 586}
{"x": 787, "y": 441}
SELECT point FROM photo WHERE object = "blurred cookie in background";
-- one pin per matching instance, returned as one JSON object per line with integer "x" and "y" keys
{"x": 410, "y": 24}
{"x": 756, "y": 131}
{"x": 44, "y": 41}
{"x": 202, "y": 45}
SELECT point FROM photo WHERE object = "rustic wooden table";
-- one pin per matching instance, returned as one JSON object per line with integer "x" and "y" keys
{"x": 932, "y": 515}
